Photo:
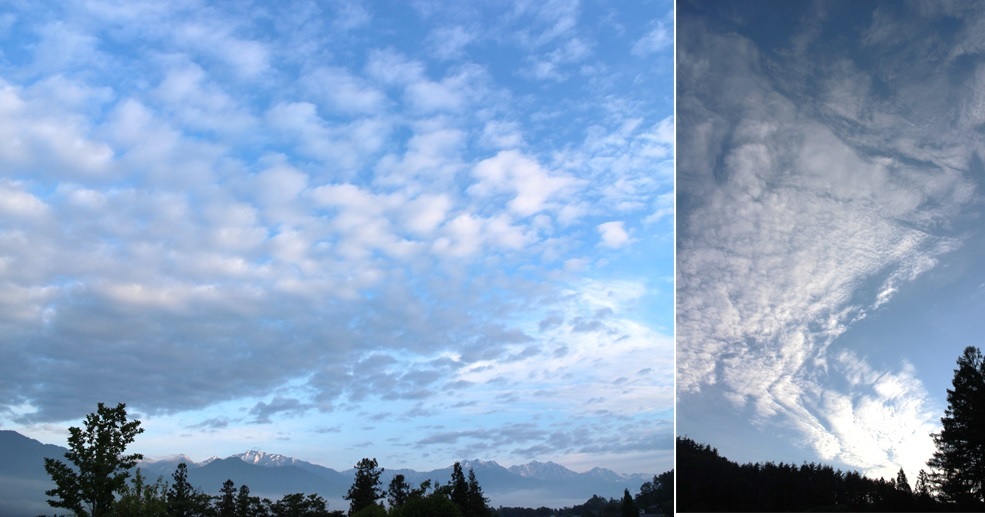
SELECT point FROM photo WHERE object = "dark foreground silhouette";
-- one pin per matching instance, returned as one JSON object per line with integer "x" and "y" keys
{"x": 708, "y": 482}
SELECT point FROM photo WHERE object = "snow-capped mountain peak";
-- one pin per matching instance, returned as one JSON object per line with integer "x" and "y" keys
{"x": 264, "y": 459}
{"x": 539, "y": 470}
{"x": 477, "y": 464}
{"x": 605, "y": 474}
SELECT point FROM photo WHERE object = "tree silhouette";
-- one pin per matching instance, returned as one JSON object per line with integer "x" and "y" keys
{"x": 183, "y": 499}
{"x": 297, "y": 505}
{"x": 628, "y": 506}
{"x": 708, "y": 482}
{"x": 901, "y": 482}
{"x": 141, "y": 498}
{"x": 398, "y": 492}
{"x": 101, "y": 467}
{"x": 365, "y": 489}
{"x": 477, "y": 503}
{"x": 226, "y": 502}
{"x": 459, "y": 487}
{"x": 959, "y": 462}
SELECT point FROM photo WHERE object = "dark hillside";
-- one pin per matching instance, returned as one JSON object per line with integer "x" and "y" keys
{"x": 708, "y": 482}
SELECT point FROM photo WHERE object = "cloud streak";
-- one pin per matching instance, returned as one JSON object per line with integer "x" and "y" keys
{"x": 801, "y": 213}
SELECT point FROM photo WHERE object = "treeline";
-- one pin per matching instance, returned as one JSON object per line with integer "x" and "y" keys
{"x": 161, "y": 499}
{"x": 708, "y": 482}
{"x": 96, "y": 482}
{"x": 461, "y": 497}
{"x": 655, "y": 497}
{"x": 954, "y": 479}
{"x": 99, "y": 479}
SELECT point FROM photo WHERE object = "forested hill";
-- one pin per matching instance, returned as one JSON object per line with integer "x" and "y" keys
{"x": 708, "y": 482}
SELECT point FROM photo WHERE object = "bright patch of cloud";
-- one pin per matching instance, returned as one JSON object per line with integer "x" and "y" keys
{"x": 614, "y": 234}
{"x": 513, "y": 172}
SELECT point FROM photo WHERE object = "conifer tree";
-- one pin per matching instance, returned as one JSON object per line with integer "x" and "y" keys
{"x": 459, "y": 487}
{"x": 365, "y": 489}
{"x": 923, "y": 484}
{"x": 478, "y": 504}
{"x": 959, "y": 461}
{"x": 246, "y": 506}
{"x": 183, "y": 499}
{"x": 628, "y": 506}
{"x": 901, "y": 482}
{"x": 398, "y": 492}
{"x": 226, "y": 502}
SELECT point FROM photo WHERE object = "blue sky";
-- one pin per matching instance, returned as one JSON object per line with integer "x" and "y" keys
{"x": 829, "y": 226}
{"x": 418, "y": 231}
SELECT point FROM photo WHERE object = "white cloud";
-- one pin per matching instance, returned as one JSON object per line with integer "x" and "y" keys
{"x": 503, "y": 135}
{"x": 392, "y": 68}
{"x": 44, "y": 142}
{"x": 66, "y": 47}
{"x": 663, "y": 207}
{"x": 280, "y": 184}
{"x": 450, "y": 42}
{"x": 343, "y": 147}
{"x": 343, "y": 91}
{"x": 462, "y": 236}
{"x": 450, "y": 94}
{"x": 248, "y": 58}
{"x": 591, "y": 339}
{"x": 511, "y": 171}
{"x": 550, "y": 65}
{"x": 199, "y": 103}
{"x": 16, "y": 203}
{"x": 793, "y": 228}
{"x": 362, "y": 221}
{"x": 614, "y": 234}
{"x": 425, "y": 213}
{"x": 432, "y": 157}
{"x": 658, "y": 39}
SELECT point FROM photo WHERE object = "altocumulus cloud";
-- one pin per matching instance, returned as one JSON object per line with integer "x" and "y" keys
{"x": 331, "y": 217}
{"x": 808, "y": 195}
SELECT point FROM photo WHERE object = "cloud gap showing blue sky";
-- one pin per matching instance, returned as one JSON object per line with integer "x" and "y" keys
{"x": 419, "y": 231}
{"x": 829, "y": 204}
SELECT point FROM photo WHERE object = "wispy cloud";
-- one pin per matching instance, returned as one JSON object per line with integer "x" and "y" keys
{"x": 796, "y": 222}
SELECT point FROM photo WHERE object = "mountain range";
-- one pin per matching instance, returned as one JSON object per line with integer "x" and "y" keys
{"x": 23, "y": 479}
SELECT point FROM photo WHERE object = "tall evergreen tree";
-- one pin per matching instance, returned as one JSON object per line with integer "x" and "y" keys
{"x": 100, "y": 468}
{"x": 226, "y": 502}
{"x": 247, "y": 505}
{"x": 628, "y": 506}
{"x": 923, "y": 484}
{"x": 398, "y": 492}
{"x": 959, "y": 461}
{"x": 183, "y": 499}
{"x": 478, "y": 504}
{"x": 365, "y": 489}
{"x": 459, "y": 487}
{"x": 901, "y": 482}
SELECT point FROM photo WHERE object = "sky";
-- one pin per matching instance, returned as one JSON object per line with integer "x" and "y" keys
{"x": 418, "y": 231}
{"x": 829, "y": 212}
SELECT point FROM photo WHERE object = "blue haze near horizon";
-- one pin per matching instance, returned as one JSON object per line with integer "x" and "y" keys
{"x": 829, "y": 180}
{"x": 416, "y": 231}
